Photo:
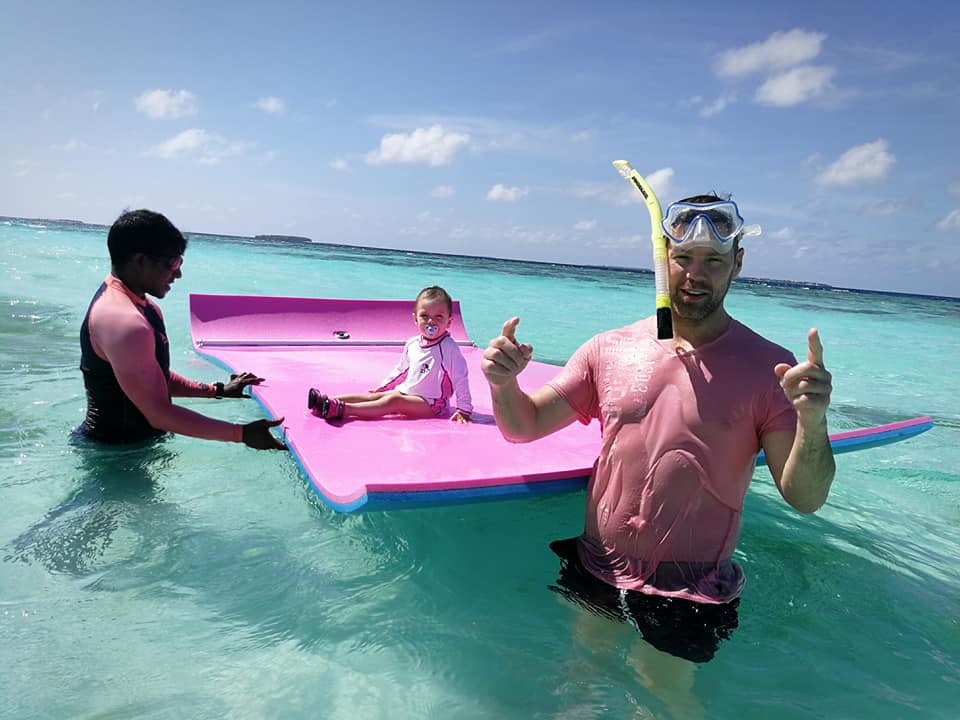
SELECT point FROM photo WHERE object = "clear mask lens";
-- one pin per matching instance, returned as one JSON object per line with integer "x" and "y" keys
{"x": 702, "y": 233}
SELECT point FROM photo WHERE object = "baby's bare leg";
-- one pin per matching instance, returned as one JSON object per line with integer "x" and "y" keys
{"x": 360, "y": 397}
{"x": 389, "y": 403}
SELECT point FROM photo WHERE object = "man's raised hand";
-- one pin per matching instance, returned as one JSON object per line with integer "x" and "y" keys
{"x": 807, "y": 384}
{"x": 505, "y": 357}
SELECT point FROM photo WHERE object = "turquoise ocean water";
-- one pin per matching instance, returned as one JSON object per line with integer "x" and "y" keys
{"x": 205, "y": 580}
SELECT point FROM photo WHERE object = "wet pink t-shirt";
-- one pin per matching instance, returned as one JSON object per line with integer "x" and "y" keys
{"x": 681, "y": 432}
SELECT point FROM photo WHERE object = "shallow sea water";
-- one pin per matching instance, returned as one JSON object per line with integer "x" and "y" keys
{"x": 205, "y": 580}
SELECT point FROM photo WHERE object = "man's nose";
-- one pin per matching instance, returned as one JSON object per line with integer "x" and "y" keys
{"x": 696, "y": 267}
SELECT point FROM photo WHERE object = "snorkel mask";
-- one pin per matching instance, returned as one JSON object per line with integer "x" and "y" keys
{"x": 714, "y": 225}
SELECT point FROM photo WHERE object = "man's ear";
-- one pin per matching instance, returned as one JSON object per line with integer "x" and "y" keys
{"x": 738, "y": 263}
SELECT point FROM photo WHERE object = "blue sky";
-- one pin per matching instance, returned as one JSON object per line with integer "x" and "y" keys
{"x": 489, "y": 128}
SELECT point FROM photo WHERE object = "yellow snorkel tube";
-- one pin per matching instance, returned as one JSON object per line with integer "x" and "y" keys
{"x": 662, "y": 282}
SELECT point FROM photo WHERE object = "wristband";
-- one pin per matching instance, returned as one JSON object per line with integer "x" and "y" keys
{"x": 218, "y": 389}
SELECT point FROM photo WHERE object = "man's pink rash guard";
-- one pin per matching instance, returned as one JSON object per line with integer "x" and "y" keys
{"x": 120, "y": 335}
{"x": 680, "y": 436}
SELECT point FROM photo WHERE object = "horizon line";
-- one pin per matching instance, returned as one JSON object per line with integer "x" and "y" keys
{"x": 617, "y": 268}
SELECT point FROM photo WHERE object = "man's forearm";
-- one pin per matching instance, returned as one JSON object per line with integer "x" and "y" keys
{"x": 182, "y": 387}
{"x": 515, "y": 412}
{"x": 183, "y": 421}
{"x": 809, "y": 469}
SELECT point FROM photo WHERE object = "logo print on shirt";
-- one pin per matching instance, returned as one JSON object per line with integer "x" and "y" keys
{"x": 630, "y": 362}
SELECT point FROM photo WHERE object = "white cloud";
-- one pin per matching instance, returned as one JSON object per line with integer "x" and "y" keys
{"x": 501, "y": 193}
{"x": 530, "y": 235}
{"x": 867, "y": 162}
{"x": 585, "y": 192}
{"x": 205, "y": 147}
{"x": 780, "y": 50}
{"x": 71, "y": 145}
{"x": 585, "y": 225}
{"x": 659, "y": 180}
{"x": 340, "y": 165}
{"x": 427, "y": 146}
{"x": 795, "y": 86}
{"x": 582, "y": 136}
{"x": 21, "y": 168}
{"x": 622, "y": 242}
{"x": 784, "y": 233}
{"x": 443, "y": 191}
{"x": 954, "y": 188}
{"x": 271, "y": 104}
{"x": 881, "y": 207}
{"x": 166, "y": 103}
{"x": 717, "y": 106}
{"x": 951, "y": 221}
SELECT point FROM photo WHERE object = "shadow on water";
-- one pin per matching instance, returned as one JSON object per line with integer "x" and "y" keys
{"x": 859, "y": 416}
{"x": 814, "y": 307}
{"x": 115, "y": 483}
{"x": 116, "y": 533}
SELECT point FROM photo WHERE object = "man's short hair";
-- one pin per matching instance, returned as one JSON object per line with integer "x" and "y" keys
{"x": 143, "y": 231}
{"x": 705, "y": 199}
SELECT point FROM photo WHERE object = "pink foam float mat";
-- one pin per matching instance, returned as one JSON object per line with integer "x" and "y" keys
{"x": 342, "y": 346}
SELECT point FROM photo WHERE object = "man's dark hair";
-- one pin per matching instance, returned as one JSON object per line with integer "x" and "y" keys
{"x": 434, "y": 293}
{"x": 143, "y": 231}
{"x": 705, "y": 199}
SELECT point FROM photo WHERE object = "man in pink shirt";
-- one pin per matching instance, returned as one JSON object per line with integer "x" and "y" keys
{"x": 125, "y": 358}
{"x": 682, "y": 423}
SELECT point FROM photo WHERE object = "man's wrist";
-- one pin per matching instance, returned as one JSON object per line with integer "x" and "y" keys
{"x": 218, "y": 389}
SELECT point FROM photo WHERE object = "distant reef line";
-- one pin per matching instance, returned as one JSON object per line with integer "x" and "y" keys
{"x": 300, "y": 240}
{"x": 80, "y": 224}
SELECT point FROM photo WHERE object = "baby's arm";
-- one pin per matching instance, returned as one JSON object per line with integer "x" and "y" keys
{"x": 460, "y": 376}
